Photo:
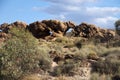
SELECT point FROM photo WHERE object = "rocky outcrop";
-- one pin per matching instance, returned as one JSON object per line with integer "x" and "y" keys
{"x": 86, "y": 30}
{"x": 49, "y": 28}
{"x": 89, "y": 31}
{"x": 38, "y": 29}
{"x": 3, "y": 36}
{"x": 105, "y": 35}
{"x": 5, "y": 26}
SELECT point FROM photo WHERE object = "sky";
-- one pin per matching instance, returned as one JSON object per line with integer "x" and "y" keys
{"x": 102, "y": 13}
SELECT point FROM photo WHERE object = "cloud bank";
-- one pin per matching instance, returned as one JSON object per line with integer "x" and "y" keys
{"x": 82, "y": 11}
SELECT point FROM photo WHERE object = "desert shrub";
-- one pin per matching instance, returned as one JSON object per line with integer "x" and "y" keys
{"x": 93, "y": 55}
{"x": 78, "y": 44}
{"x": 116, "y": 44}
{"x": 111, "y": 64}
{"x": 112, "y": 54}
{"x": 116, "y": 77}
{"x": 84, "y": 51}
{"x": 95, "y": 76}
{"x": 44, "y": 59}
{"x": 67, "y": 68}
{"x": 63, "y": 40}
{"x": 107, "y": 67}
{"x": 19, "y": 55}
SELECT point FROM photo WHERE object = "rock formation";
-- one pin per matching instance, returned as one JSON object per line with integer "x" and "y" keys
{"x": 38, "y": 29}
{"x": 5, "y": 26}
{"x": 49, "y": 28}
{"x": 86, "y": 30}
{"x": 89, "y": 31}
{"x": 106, "y": 35}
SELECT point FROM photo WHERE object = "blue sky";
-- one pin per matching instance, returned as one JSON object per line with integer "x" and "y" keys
{"x": 103, "y": 13}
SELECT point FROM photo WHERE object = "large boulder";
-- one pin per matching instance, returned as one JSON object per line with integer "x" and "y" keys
{"x": 19, "y": 24}
{"x": 3, "y": 35}
{"x": 86, "y": 30}
{"x": 105, "y": 35}
{"x": 5, "y": 27}
{"x": 38, "y": 29}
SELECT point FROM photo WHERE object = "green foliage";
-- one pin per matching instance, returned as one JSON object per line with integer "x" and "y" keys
{"x": 117, "y": 26}
{"x": 19, "y": 55}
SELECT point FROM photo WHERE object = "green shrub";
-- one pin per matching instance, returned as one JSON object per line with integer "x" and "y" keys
{"x": 19, "y": 55}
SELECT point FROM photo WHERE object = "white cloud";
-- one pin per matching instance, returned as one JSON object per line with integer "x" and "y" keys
{"x": 103, "y": 10}
{"x": 81, "y": 11}
{"x": 107, "y": 22}
{"x": 36, "y": 8}
{"x": 62, "y": 17}
{"x": 69, "y": 1}
{"x": 105, "y": 19}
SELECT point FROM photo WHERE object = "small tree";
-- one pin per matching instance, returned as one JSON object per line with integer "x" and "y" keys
{"x": 117, "y": 26}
